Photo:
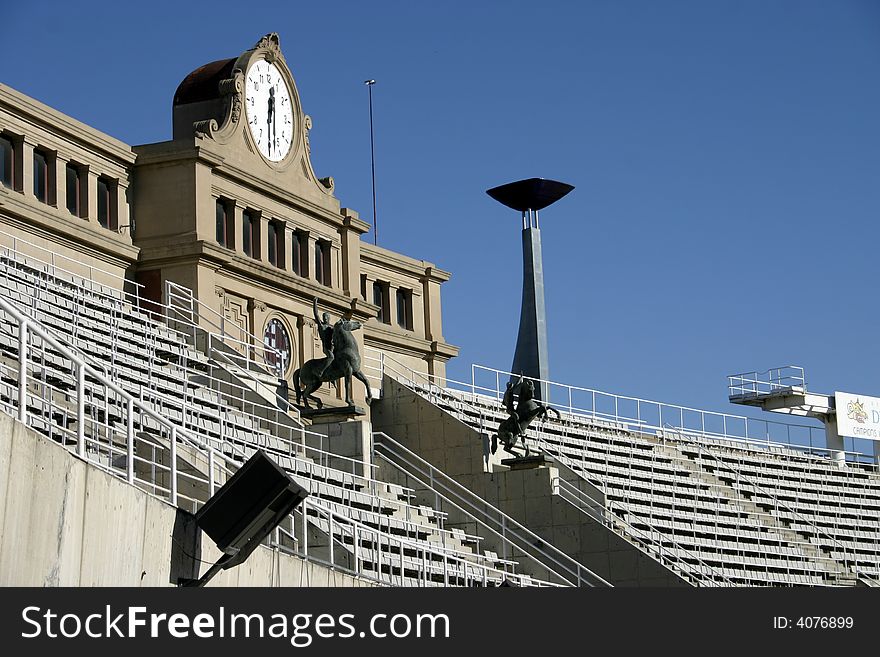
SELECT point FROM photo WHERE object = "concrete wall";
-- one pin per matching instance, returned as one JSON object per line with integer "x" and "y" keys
{"x": 525, "y": 495}
{"x": 64, "y": 522}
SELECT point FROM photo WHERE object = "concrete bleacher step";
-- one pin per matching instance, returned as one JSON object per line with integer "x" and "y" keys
{"x": 799, "y": 541}
{"x": 192, "y": 409}
{"x": 391, "y": 554}
{"x": 674, "y": 480}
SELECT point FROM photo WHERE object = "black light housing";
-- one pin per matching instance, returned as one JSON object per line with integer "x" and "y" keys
{"x": 246, "y": 509}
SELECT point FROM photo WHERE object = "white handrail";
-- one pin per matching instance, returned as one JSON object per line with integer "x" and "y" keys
{"x": 220, "y": 387}
{"x": 48, "y": 282}
{"x": 387, "y": 364}
{"x": 510, "y": 530}
{"x": 647, "y": 413}
{"x": 201, "y": 312}
{"x": 29, "y": 328}
{"x": 705, "y": 573}
{"x": 848, "y": 562}
{"x": 16, "y": 240}
{"x": 769, "y": 382}
{"x": 712, "y": 425}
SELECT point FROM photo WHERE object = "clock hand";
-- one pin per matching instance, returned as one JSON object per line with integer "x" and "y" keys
{"x": 270, "y": 118}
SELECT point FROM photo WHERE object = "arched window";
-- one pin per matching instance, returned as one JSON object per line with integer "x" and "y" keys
{"x": 278, "y": 346}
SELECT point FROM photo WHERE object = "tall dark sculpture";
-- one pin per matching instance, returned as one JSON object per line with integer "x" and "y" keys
{"x": 522, "y": 414}
{"x": 529, "y": 196}
{"x": 341, "y": 360}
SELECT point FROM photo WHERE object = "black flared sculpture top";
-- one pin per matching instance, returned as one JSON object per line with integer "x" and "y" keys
{"x": 530, "y": 194}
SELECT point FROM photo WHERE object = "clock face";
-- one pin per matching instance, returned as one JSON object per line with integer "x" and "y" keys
{"x": 269, "y": 110}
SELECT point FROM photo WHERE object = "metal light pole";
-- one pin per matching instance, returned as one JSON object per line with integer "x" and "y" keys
{"x": 529, "y": 196}
{"x": 370, "y": 84}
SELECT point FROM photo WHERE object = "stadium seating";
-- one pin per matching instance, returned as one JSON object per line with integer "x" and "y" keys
{"x": 715, "y": 510}
{"x": 772, "y": 515}
{"x": 350, "y": 520}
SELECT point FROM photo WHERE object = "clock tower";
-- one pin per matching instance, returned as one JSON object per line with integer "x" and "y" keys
{"x": 249, "y": 102}
{"x": 232, "y": 209}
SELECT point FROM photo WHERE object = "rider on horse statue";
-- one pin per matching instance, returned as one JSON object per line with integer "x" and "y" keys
{"x": 521, "y": 416}
{"x": 341, "y": 360}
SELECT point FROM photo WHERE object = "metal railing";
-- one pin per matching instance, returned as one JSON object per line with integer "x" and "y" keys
{"x": 51, "y": 389}
{"x": 172, "y": 374}
{"x": 637, "y": 414}
{"x": 610, "y": 425}
{"x": 267, "y": 426}
{"x": 620, "y": 411}
{"x": 652, "y": 542}
{"x": 230, "y": 396}
{"x": 514, "y": 537}
{"x": 776, "y": 380}
{"x": 444, "y": 566}
{"x": 16, "y": 247}
{"x": 181, "y": 312}
{"x": 743, "y": 482}
{"x": 184, "y": 309}
{"x": 700, "y": 571}
{"x": 301, "y": 451}
{"x": 642, "y": 478}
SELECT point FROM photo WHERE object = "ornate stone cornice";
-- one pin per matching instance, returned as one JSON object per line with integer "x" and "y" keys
{"x": 272, "y": 44}
{"x": 256, "y": 304}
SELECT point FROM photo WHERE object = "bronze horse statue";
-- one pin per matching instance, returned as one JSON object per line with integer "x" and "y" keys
{"x": 521, "y": 416}
{"x": 343, "y": 361}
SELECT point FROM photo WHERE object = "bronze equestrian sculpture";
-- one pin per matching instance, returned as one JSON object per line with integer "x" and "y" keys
{"x": 342, "y": 360}
{"x": 521, "y": 416}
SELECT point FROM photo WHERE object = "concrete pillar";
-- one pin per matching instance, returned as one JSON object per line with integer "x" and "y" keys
{"x": 431, "y": 294}
{"x": 123, "y": 218}
{"x": 368, "y": 287}
{"x": 309, "y": 343}
{"x": 263, "y": 238}
{"x": 205, "y": 219}
{"x": 289, "y": 236}
{"x": 258, "y": 313}
{"x": 834, "y": 442}
{"x": 61, "y": 161}
{"x": 417, "y": 302}
{"x": 237, "y": 210}
{"x": 350, "y": 254}
{"x": 351, "y": 439}
{"x": 392, "y": 305}
{"x": 309, "y": 243}
{"x": 92, "y": 198}
{"x": 336, "y": 281}
{"x": 27, "y": 167}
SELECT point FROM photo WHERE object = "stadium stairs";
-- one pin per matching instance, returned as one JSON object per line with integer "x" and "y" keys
{"x": 147, "y": 405}
{"x": 714, "y": 512}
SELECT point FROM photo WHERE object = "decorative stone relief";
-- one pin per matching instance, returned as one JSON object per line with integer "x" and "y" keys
{"x": 233, "y": 87}
{"x": 235, "y": 312}
{"x": 255, "y": 304}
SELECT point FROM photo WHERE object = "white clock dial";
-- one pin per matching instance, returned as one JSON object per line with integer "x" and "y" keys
{"x": 269, "y": 110}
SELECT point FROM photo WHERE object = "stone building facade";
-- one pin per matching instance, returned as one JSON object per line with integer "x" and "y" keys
{"x": 230, "y": 208}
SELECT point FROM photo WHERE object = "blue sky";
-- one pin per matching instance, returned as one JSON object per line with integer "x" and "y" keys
{"x": 725, "y": 154}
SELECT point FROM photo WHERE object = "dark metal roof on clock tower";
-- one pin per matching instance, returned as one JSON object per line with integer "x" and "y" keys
{"x": 202, "y": 83}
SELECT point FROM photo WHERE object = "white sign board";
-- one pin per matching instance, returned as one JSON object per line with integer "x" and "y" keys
{"x": 857, "y": 415}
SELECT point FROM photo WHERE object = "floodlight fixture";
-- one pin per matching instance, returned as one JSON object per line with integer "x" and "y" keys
{"x": 245, "y": 510}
